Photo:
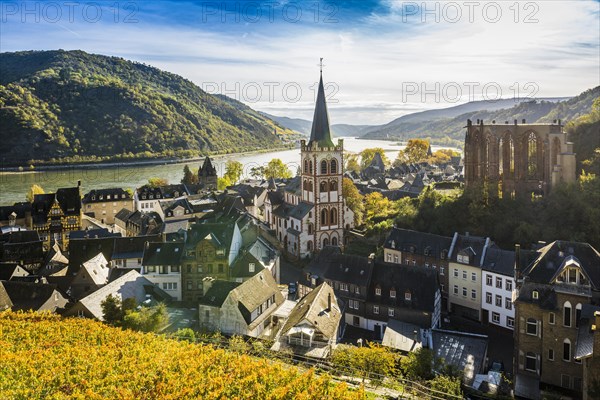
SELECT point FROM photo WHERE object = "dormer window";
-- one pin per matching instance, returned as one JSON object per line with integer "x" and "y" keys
{"x": 462, "y": 258}
{"x": 377, "y": 291}
{"x": 535, "y": 295}
{"x": 93, "y": 198}
{"x": 393, "y": 293}
{"x": 108, "y": 197}
{"x": 101, "y": 197}
{"x": 444, "y": 254}
{"x": 407, "y": 295}
{"x": 427, "y": 251}
{"x": 393, "y": 244}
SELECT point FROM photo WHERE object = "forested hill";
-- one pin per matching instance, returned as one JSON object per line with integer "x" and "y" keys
{"x": 451, "y": 130}
{"x": 71, "y": 105}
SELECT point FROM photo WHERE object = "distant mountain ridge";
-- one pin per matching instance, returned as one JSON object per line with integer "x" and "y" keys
{"x": 446, "y": 126}
{"x": 71, "y": 105}
{"x": 304, "y": 126}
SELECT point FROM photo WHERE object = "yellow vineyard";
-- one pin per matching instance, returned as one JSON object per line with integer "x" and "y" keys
{"x": 46, "y": 356}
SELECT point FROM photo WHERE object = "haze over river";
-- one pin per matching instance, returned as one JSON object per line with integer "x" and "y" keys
{"x": 14, "y": 186}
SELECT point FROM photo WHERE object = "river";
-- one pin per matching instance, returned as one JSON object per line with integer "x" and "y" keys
{"x": 14, "y": 186}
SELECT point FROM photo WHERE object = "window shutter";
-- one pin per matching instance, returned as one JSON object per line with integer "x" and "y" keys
{"x": 539, "y": 329}
{"x": 537, "y": 364}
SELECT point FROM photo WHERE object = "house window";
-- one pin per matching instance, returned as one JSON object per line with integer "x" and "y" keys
{"x": 456, "y": 290}
{"x": 151, "y": 268}
{"x": 488, "y": 280}
{"x": 190, "y": 285}
{"x": 390, "y": 312}
{"x": 530, "y": 362}
{"x": 551, "y": 354}
{"x": 566, "y": 350}
{"x": 251, "y": 267}
{"x": 577, "y": 315}
{"x": 495, "y": 318}
{"x": 567, "y": 314}
{"x": 565, "y": 381}
{"x": 488, "y": 297}
{"x": 535, "y": 295}
{"x": 442, "y": 270}
{"x": 510, "y": 322}
{"x": 375, "y": 309}
{"x": 377, "y": 291}
{"x": 509, "y": 285}
{"x": 344, "y": 287}
{"x": 552, "y": 318}
{"x": 396, "y": 260}
{"x": 532, "y": 326}
{"x": 354, "y": 304}
{"x": 464, "y": 274}
{"x": 498, "y": 301}
{"x": 473, "y": 276}
{"x": 456, "y": 272}
{"x": 508, "y": 303}
{"x": 407, "y": 295}
{"x": 356, "y": 321}
{"x": 499, "y": 282}
{"x": 393, "y": 293}
{"x": 357, "y": 290}
{"x": 473, "y": 294}
{"x": 199, "y": 286}
{"x": 464, "y": 291}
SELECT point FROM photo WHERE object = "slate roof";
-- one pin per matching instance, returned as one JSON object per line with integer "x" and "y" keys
{"x": 546, "y": 295}
{"x": 300, "y": 210}
{"x": 422, "y": 283}
{"x": 314, "y": 308}
{"x": 207, "y": 168}
{"x": 130, "y": 285}
{"x": 97, "y": 269}
{"x": 29, "y": 295}
{"x": 467, "y": 351}
{"x": 68, "y": 198}
{"x": 275, "y": 198}
{"x": 81, "y": 250}
{"x": 240, "y": 269}
{"x": 499, "y": 261}
{"x": 123, "y": 214}
{"x": 585, "y": 335}
{"x": 551, "y": 258}
{"x": 22, "y": 246}
{"x": 320, "y": 132}
{"x": 169, "y": 207}
{"x": 405, "y": 239}
{"x": 400, "y": 335}
{"x": 473, "y": 245}
{"x": 20, "y": 209}
{"x": 255, "y": 291}
{"x": 93, "y": 233}
{"x": 158, "y": 253}
{"x": 9, "y": 270}
{"x": 218, "y": 292}
{"x": 132, "y": 247}
{"x": 102, "y": 195}
{"x": 293, "y": 185}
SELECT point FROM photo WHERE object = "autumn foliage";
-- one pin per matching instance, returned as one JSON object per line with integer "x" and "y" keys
{"x": 45, "y": 356}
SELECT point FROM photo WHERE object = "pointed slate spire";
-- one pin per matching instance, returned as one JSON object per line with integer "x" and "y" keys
{"x": 320, "y": 132}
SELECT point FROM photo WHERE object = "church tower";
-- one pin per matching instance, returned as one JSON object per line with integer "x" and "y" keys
{"x": 207, "y": 174}
{"x": 322, "y": 166}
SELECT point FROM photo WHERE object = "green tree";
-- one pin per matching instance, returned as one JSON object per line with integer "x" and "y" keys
{"x": 277, "y": 169}
{"x": 414, "y": 152}
{"x": 257, "y": 172}
{"x": 188, "y": 176}
{"x": 157, "y": 182}
{"x": 366, "y": 156}
{"x": 354, "y": 200}
{"x": 352, "y": 164}
{"x": 147, "y": 319}
{"x": 448, "y": 387}
{"x": 233, "y": 171}
{"x": 112, "y": 310}
{"x": 370, "y": 361}
{"x": 185, "y": 334}
{"x": 223, "y": 183}
{"x": 419, "y": 365}
{"x": 33, "y": 190}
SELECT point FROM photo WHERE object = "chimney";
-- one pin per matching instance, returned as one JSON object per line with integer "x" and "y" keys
{"x": 329, "y": 301}
{"x": 596, "y": 332}
{"x": 207, "y": 284}
{"x": 517, "y": 263}
{"x": 79, "y": 183}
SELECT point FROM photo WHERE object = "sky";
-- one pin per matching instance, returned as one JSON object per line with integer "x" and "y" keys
{"x": 381, "y": 59}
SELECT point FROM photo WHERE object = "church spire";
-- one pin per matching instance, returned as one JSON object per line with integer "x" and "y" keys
{"x": 320, "y": 131}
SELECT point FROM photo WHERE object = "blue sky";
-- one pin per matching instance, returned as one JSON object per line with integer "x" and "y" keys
{"x": 383, "y": 59}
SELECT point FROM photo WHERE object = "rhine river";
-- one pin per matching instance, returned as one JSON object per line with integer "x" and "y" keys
{"x": 14, "y": 186}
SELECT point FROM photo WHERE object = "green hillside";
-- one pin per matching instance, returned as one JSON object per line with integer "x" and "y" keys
{"x": 451, "y": 130}
{"x": 71, "y": 105}
{"x": 43, "y": 356}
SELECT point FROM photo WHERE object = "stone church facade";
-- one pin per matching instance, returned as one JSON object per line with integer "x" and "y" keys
{"x": 313, "y": 213}
{"x": 518, "y": 159}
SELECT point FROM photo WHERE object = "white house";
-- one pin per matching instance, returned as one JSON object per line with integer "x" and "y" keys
{"x": 161, "y": 265}
{"x": 497, "y": 286}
